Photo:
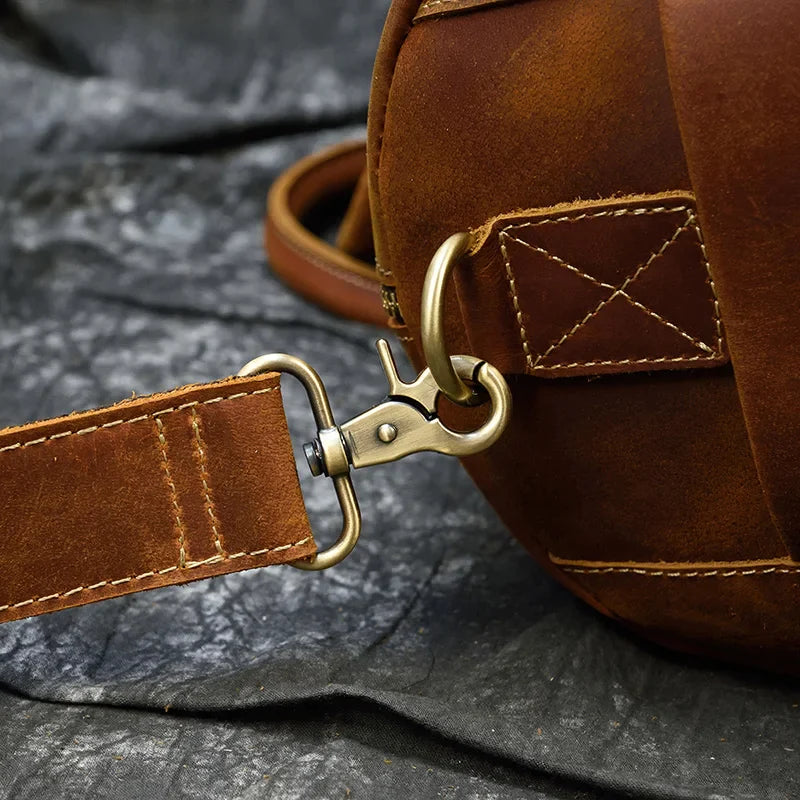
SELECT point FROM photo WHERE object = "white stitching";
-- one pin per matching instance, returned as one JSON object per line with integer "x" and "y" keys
{"x": 616, "y": 212}
{"x": 717, "y": 315}
{"x": 558, "y": 260}
{"x": 384, "y": 273}
{"x": 205, "y": 478}
{"x": 153, "y": 573}
{"x": 627, "y": 282}
{"x": 728, "y": 569}
{"x": 155, "y": 414}
{"x": 162, "y": 443}
{"x": 696, "y": 342}
{"x": 617, "y": 292}
{"x": 710, "y": 573}
{"x": 630, "y": 361}
{"x": 517, "y": 309}
{"x": 691, "y": 221}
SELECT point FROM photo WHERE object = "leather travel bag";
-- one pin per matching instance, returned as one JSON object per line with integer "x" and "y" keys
{"x": 581, "y": 221}
{"x": 628, "y": 173}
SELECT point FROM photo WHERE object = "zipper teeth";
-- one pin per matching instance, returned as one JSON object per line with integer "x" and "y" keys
{"x": 391, "y": 304}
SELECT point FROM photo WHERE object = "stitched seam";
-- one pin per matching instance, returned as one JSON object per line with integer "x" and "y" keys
{"x": 717, "y": 315}
{"x": 691, "y": 221}
{"x": 561, "y": 262}
{"x": 628, "y": 361}
{"x": 162, "y": 444}
{"x": 627, "y": 211}
{"x": 205, "y": 478}
{"x": 523, "y": 334}
{"x": 189, "y": 565}
{"x": 649, "y": 311}
{"x": 700, "y": 573}
{"x": 679, "y": 570}
{"x": 142, "y": 418}
{"x": 619, "y": 293}
{"x": 384, "y": 273}
{"x": 624, "y": 285}
{"x": 505, "y": 233}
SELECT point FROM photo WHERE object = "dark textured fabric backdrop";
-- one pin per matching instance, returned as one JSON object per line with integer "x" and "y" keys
{"x": 137, "y": 143}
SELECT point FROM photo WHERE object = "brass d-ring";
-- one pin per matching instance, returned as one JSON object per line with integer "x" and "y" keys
{"x": 434, "y": 346}
{"x": 323, "y": 416}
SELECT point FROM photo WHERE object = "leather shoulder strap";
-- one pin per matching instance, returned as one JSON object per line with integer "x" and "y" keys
{"x": 734, "y": 69}
{"x": 154, "y": 491}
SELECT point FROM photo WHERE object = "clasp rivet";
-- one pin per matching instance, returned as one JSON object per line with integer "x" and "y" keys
{"x": 387, "y": 433}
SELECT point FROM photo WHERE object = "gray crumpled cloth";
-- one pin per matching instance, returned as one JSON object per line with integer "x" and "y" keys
{"x": 137, "y": 143}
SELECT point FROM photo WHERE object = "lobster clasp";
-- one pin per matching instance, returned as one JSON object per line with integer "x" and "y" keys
{"x": 408, "y": 422}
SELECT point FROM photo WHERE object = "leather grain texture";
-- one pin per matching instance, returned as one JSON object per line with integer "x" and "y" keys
{"x": 684, "y": 601}
{"x": 594, "y": 288}
{"x": 154, "y": 491}
{"x": 437, "y": 616}
{"x": 734, "y": 69}
{"x": 519, "y": 111}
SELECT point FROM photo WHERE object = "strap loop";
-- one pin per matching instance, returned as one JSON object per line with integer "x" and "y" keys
{"x": 432, "y": 321}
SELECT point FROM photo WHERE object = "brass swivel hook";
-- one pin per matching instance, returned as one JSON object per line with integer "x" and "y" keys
{"x": 406, "y": 422}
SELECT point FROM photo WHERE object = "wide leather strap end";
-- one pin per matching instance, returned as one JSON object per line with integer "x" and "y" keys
{"x": 151, "y": 492}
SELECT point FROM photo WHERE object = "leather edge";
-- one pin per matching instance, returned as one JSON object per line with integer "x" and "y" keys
{"x": 320, "y": 272}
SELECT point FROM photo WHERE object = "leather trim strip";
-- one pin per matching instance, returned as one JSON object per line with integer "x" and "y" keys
{"x": 440, "y": 8}
{"x": 327, "y": 275}
{"x": 737, "y": 109}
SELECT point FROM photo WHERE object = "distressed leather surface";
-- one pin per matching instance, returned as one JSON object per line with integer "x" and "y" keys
{"x": 521, "y": 109}
{"x": 594, "y": 288}
{"x": 154, "y": 491}
{"x": 131, "y": 257}
{"x": 738, "y": 116}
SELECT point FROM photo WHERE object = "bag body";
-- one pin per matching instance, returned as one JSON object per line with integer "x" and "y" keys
{"x": 640, "y": 302}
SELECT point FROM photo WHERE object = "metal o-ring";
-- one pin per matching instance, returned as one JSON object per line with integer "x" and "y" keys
{"x": 434, "y": 346}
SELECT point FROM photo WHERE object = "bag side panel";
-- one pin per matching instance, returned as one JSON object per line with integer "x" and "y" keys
{"x": 529, "y": 105}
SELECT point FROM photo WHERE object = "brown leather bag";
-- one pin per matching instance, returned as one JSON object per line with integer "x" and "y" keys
{"x": 625, "y": 174}
{"x": 628, "y": 172}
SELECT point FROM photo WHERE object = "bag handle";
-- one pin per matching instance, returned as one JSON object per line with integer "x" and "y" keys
{"x": 334, "y": 277}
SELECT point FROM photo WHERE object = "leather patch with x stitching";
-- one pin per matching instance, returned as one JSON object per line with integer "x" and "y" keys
{"x": 614, "y": 288}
